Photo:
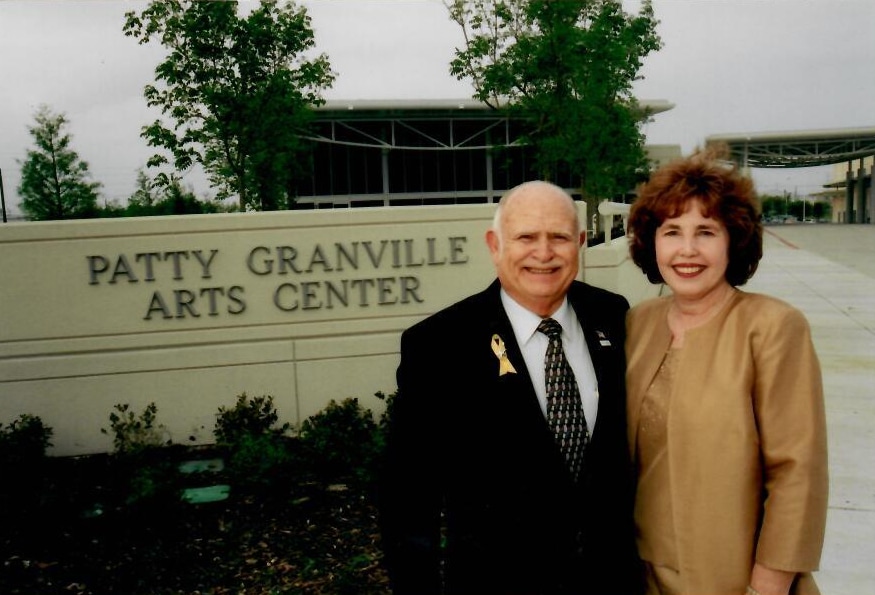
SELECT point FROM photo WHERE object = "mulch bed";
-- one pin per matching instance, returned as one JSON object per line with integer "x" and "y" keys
{"x": 297, "y": 536}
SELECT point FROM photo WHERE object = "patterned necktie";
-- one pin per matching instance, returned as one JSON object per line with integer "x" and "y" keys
{"x": 564, "y": 407}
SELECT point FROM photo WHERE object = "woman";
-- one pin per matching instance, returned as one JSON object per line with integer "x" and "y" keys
{"x": 726, "y": 416}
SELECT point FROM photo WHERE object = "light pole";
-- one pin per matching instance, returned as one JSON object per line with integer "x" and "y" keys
{"x": 2, "y": 197}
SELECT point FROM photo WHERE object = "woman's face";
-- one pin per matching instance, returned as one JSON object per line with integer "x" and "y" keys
{"x": 692, "y": 253}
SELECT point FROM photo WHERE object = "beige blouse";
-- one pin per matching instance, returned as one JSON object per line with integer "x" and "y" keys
{"x": 653, "y": 508}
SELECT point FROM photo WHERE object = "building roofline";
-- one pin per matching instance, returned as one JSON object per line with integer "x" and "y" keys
{"x": 795, "y": 135}
{"x": 798, "y": 148}
{"x": 654, "y": 106}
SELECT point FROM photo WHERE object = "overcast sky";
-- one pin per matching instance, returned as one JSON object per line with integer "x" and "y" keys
{"x": 729, "y": 66}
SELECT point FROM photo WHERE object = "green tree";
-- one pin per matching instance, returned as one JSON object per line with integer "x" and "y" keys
{"x": 773, "y": 206}
{"x": 821, "y": 210}
{"x": 238, "y": 91}
{"x": 145, "y": 196}
{"x": 565, "y": 68}
{"x": 166, "y": 198}
{"x": 54, "y": 181}
{"x": 152, "y": 199}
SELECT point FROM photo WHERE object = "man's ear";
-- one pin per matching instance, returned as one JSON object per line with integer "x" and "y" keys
{"x": 492, "y": 242}
{"x": 582, "y": 239}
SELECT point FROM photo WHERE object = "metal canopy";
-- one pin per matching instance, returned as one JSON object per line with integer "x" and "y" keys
{"x": 798, "y": 149}
{"x": 426, "y": 125}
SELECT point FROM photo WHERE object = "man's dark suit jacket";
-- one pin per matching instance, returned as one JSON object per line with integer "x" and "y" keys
{"x": 475, "y": 497}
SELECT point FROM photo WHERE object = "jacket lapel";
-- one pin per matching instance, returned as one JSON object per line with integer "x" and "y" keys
{"x": 645, "y": 351}
{"x": 600, "y": 343}
{"x": 514, "y": 387}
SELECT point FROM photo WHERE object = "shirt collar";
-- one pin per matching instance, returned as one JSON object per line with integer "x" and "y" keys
{"x": 525, "y": 322}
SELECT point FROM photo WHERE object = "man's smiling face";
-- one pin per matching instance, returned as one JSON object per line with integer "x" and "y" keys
{"x": 536, "y": 248}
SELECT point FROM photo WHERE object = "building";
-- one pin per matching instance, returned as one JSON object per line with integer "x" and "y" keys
{"x": 849, "y": 151}
{"x": 382, "y": 153}
{"x": 851, "y": 185}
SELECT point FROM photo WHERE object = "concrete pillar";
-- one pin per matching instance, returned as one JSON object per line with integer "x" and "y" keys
{"x": 384, "y": 160}
{"x": 870, "y": 195}
{"x": 490, "y": 188}
{"x": 490, "y": 184}
{"x": 862, "y": 215}
{"x": 849, "y": 196}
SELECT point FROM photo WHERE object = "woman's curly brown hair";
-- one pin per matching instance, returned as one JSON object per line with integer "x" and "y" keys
{"x": 724, "y": 193}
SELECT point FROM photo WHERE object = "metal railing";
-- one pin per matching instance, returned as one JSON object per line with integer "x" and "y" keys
{"x": 608, "y": 210}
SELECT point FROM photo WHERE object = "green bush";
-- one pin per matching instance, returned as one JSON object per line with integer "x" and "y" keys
{"x": 23, "y": 463}
{"x": 386, "y": 416}
{"x": 132, "y": 433}
{"x": 142, "y": 462}
{"x": 257, "y": 449}
{"x": 154, "y": 481}
{"x": 342, "y": 442}
{"x": 24, "y": 441}
{"x": 248, "y": 417}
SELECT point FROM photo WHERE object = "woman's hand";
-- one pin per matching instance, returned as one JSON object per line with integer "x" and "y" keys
{"x": 768, "y": 581}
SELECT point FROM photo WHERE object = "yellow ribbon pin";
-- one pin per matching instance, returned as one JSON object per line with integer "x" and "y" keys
{"x": 504, "y": 365}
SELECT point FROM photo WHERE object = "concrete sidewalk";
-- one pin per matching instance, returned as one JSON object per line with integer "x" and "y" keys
{"x": 828, "y": 272}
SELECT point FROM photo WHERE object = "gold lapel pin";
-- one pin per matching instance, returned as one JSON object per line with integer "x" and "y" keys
{"x": 504, "y": 365}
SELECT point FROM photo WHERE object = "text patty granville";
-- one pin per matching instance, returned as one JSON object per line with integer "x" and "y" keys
{"x": 317, "y": 272}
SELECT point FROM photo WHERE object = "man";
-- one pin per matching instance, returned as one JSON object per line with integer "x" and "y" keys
{"x": 480, "y": 494}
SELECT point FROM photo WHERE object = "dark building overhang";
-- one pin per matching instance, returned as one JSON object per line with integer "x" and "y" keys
{"x": 348, "y": 123}
{"x": 798, "y": 149}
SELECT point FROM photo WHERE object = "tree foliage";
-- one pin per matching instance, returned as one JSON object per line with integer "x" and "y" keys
{"x": 780, "y": 208}
{"x": 151, "y": 199}
{"x": 54, "y": 181}
{"x": 236, "y": 91}
{"x": 566, "y": 68}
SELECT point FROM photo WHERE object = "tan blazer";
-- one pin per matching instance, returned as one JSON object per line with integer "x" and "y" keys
{"x": 746, "y": 440}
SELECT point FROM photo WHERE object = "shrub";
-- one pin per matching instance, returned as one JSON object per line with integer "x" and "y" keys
{"x": 142, "y": 463}
{"x": 257, "y": 448}
{"x": 24, "y": 441}
{"x": 248, "y": 417}
{"x": 23, "y": 445}
{"x": 386, "y": 416}
{"x": 383, "y": 424}
{"x": 134, "y": 434}
{"x": 342, "y": 441}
